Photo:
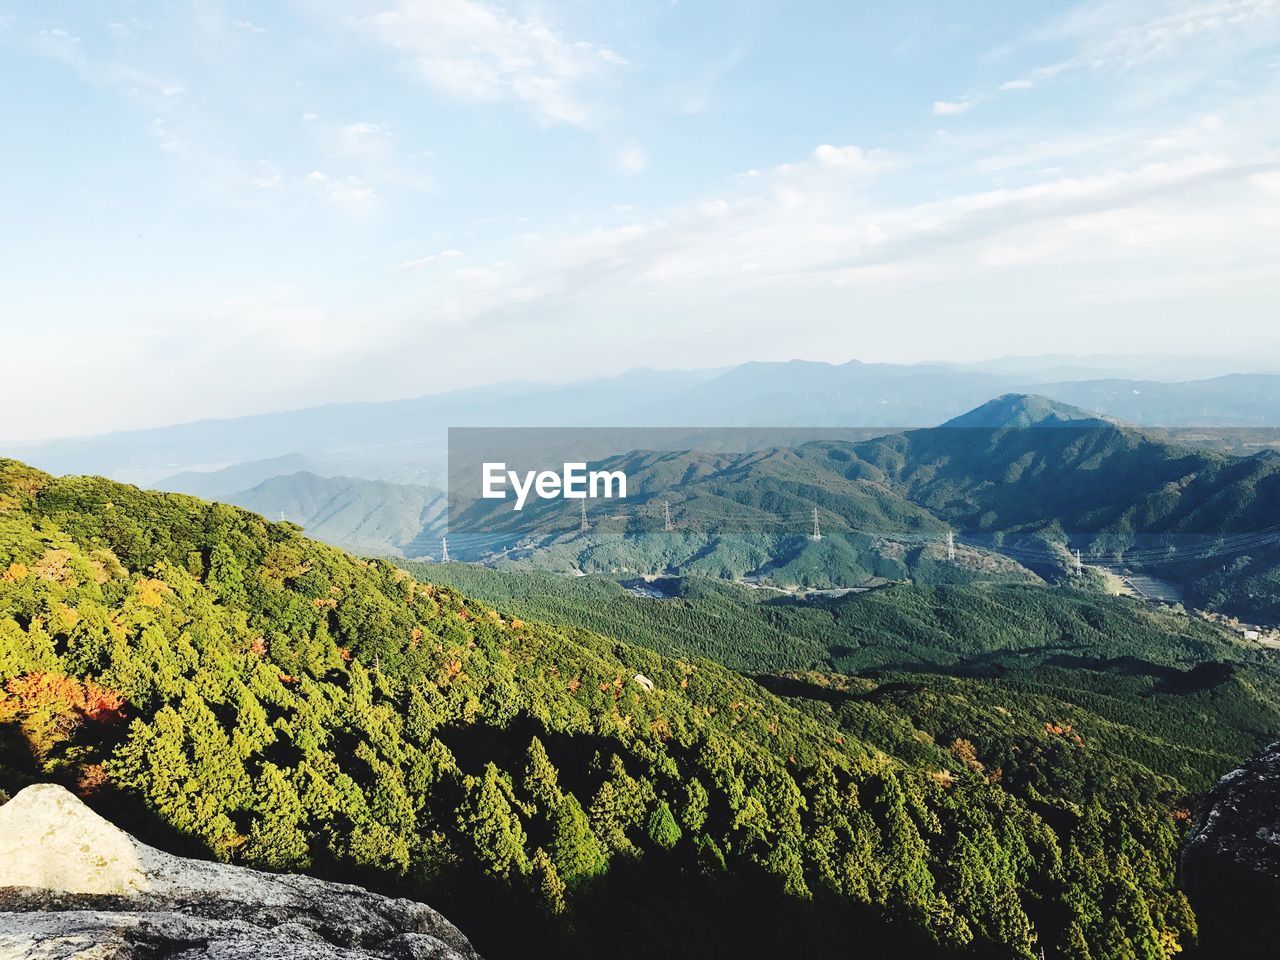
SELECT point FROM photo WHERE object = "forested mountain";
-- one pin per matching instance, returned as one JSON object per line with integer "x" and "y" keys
{"x": 1141, "y": 680}
{"x": 1022, "y": 481}
{"x": 223, "y": 684}
{"x": 1018, "y": 468}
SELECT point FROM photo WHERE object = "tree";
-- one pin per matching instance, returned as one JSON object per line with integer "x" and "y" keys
{"x": 574, "y": 848}
{"x": 276, "y": 838}
{"x": 663, "y": 830}
{"x": 490, "y": 825}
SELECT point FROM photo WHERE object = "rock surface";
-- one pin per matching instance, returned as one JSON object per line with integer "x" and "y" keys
{"x": 73, "y": 887}
{"x": 1231, "y": 862}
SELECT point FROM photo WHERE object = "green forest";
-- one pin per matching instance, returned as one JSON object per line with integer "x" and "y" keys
{"x": 1012, "y": 780}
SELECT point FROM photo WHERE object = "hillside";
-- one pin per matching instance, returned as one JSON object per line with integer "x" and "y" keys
{"x": 221, "y": 684}
{"x": 370, "y": 517}
{"x": 1141, "y": 680}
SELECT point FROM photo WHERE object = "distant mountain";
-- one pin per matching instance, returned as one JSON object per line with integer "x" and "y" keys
{"x": 370, "y": 517}
{"x": 405, "y": 440}
{"x": 1020, "y": 463}
{"x": 223, "y": 484}
{"x": 1238, "y": 400}
{"x": 1018, "y": 411}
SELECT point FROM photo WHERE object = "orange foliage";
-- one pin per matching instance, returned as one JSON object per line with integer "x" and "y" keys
{"x": 16, "y": 571}
{"x": 50, "y": 707}
{"x": 92, "y": 778}
{"x": 36, "y": 692}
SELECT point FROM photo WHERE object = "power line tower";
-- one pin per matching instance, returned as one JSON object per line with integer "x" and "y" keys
{"x": 444, "y": 549}
{"x": 817, "y": 534}
{"x": 951, "y": 546}
{"x": 583, "y": 527}
{"x": 666, "y": 516}
{"x": 1079, "y": 565}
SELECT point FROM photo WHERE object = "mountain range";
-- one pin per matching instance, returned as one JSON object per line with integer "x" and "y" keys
{"x": 1018, "y": 483}
{"x": 405, "y": 440}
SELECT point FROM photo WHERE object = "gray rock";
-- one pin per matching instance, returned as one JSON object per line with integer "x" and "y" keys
{"x": 1231, "y": 861}
{"x": 74, "y": 887}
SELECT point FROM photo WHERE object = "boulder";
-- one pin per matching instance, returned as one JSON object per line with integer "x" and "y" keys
{"x": 74, "y": 887}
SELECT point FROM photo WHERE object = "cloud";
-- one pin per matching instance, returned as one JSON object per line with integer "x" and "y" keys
{"x": 268, "y": 176}
{"x": 170, "y": 142}
{"x": 847, "y": 158}
{"x": 364, "y": 138}
{"x": 430, "y": 258}
{"x": 474, "y": 51}
{"x": 349, "y": 194}
{"x": 631, "y": 160}
{"x": 805, "y": 233}
{"x": 1129, "y": 37}
{"x": 1114, "y": 36}
{"x": 249, "y": 26}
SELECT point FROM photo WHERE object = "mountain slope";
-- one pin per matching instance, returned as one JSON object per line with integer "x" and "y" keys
{"x": 1114, "y": 491}
{"x": 365, "y": 516}
{"x": 291, "y": 707}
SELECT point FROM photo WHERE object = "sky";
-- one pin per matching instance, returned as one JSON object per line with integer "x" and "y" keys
{"x": 216, "y": 208}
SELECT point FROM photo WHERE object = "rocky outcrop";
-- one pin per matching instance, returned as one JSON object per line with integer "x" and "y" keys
{"x": 1231, "y": 862}
{"x": 74, "y": 887}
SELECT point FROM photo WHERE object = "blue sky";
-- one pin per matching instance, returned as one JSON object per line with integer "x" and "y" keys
{"x": 219, "y": 208}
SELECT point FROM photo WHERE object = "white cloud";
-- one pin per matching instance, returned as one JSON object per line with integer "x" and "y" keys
{"x": 631, "y": 160}
{"x": 846, "y": 158}
{"x": 170, "y": 142}
{"x": 474, "y": 51}
{"x": 429, "y": 258}
{"x": 349, "y": 194}
{"x": 1125, "y": 36}
{"x": 803, "y": 236}
{"x": 268, "y": 176}
{"x": 249, "y": 26}
{"x": 364, "y": 138}
{"x": 944, "y": 108}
